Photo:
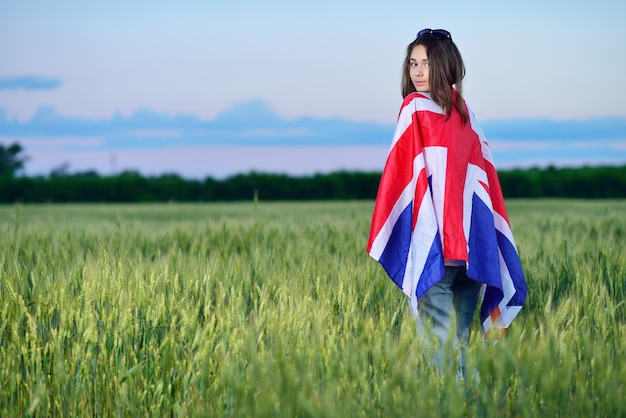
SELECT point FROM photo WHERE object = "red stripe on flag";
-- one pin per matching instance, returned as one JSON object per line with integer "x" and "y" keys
{"x": 420, "y": 191}
{"x": 397, "y": 174}
{"x": 495, "y": 314}
{"x": 494, "y": 333}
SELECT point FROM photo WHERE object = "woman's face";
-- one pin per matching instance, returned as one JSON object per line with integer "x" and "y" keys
{"x": 418, "y": 68}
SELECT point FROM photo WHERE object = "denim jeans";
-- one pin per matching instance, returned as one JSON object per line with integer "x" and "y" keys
{"x": 445, "y": 313}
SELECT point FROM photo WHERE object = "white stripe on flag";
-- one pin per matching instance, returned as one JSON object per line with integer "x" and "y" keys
{"x": 406, "y": 197}
{"x": 405, "y": 119}
{"x": 436, "y": 169}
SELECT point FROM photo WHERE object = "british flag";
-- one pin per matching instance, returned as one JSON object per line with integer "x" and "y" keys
{"x": 440, "y": 198}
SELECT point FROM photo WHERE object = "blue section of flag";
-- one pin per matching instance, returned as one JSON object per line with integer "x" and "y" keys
{"x": 433, "y": 269}
{"x": 484, "y": 261}
{"x": 395, "y": 255}
{"x": 491, "y": 299}
{"x": 513, "y": 264}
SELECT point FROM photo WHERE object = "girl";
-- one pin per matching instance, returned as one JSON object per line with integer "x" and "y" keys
{"x": 439, "y": 226}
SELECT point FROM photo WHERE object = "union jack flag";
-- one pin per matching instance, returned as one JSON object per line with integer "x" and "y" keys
{"x": 440, "y": 198}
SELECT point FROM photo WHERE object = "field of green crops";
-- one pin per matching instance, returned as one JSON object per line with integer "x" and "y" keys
{"x": 275, "y": 310}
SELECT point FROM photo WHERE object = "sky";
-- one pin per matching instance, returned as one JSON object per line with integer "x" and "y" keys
{"x": 215, "y": 88}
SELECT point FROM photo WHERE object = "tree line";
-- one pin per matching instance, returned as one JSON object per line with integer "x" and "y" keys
{"x": 130, "y": 186}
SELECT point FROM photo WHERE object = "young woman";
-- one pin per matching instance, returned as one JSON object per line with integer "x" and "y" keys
{"x": 440, "y": 227}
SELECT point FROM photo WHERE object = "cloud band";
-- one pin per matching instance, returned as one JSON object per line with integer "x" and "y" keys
{"x": 31, "y": 82}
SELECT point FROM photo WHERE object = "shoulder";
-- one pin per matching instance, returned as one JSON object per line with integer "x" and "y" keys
{"x": 419, "y": 102}
{"x": 415, "y": 97}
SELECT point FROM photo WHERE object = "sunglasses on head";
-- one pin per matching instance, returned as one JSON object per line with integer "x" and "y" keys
{"x": 438, "y": 33}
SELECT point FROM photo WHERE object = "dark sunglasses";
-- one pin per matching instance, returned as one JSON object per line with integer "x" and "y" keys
{"x": 438, "y": 33}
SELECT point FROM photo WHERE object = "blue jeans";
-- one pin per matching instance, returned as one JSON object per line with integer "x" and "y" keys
{"x": 450, "y": 301}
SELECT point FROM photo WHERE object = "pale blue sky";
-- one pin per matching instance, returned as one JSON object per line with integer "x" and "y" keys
{"x": 325, "y": 60}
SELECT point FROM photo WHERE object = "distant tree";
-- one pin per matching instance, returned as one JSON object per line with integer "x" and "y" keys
{"x": 11, "y": 160}
{"x": 62, "y": 170}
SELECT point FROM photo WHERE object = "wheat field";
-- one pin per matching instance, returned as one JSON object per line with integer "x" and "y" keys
{"x": 275, "y": 310}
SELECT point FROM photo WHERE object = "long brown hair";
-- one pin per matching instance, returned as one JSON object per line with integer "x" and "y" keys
{"x": 446, "y": 70}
